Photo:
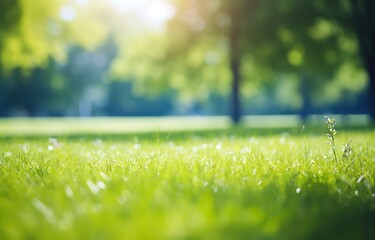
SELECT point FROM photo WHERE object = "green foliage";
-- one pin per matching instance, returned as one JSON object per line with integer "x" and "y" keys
{"x": 10, "y": 13}
{"x": 275, "y": 42}
{"x": 58, "y": 89}
{"x": 232, "y": 184}
{"x": 290, "y": 38}
{"x": 194, "y": 75}
{"x": 41, "y": 31}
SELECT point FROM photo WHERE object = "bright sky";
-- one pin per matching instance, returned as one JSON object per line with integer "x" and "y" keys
{"x": 153, "y": 13}
{"x": 150, "y": 13}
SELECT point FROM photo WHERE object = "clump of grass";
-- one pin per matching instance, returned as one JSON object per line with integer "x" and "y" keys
{"x": 347, "y": 149}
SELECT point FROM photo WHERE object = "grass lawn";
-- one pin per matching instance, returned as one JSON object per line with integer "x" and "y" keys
{"x": 229, "y": 183}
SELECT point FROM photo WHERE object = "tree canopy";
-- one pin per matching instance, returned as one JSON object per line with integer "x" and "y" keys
{"x": 34, "y": 31}
{"x": 241, "y": 44}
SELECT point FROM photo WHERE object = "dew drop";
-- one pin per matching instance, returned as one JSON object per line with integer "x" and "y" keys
{"x": 69, "y": 192}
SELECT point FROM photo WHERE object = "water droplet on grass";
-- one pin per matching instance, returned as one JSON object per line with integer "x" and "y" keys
{"x": 93, "y": 187}
{"x": 25, "y": 147}
{"x": 245, "y": 150}
{"x": 360, "y": 179}
{"x": 101, "y": 185}
{"x": 54, "y": 142}
{"x": 8, "y": 154}
{"x": 98, "y": 142}
{"x": 105, "y": 176}
{"x": 137, "y": 146}
{"x": 252, "y": 140}
{"x": 69, "y": 192}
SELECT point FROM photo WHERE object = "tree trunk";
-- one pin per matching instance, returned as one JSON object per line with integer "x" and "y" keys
{"x": 371, "y": 89}
{"x": 235, "y": 69}
{"x": 363, "y": 14}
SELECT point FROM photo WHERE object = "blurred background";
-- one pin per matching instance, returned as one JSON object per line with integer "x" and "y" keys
{"x": 186, "y": 57}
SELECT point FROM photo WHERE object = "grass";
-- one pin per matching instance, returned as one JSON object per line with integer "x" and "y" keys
{"x": 234, "y": 183}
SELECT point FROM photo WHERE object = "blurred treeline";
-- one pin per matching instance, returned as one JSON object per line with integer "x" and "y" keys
{"x": 214, "y": 57}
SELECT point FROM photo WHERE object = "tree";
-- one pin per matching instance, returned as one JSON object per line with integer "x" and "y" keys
{"x": 240, "y": 25}
{"x": 273, "y": 38}
{"x": 364, "y": 18}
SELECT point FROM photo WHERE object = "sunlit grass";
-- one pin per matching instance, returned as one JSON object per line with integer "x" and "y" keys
{"x": 102, "y": 125}
{"x": 226, "y": 184}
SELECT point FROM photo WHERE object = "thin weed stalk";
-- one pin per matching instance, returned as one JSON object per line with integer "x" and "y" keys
{"x": 331, "y": 123}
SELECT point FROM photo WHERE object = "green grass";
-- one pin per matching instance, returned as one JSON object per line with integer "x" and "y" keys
{"x": 234, "y": 183}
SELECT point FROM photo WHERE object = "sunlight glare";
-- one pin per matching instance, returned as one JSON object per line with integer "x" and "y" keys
{"x": 159, "y": 11}
{"x": 82, "y": 2}
{"x": 153, "y": 13}
{"x": 126, "y": 6}
{"x": 68, "y": 13}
